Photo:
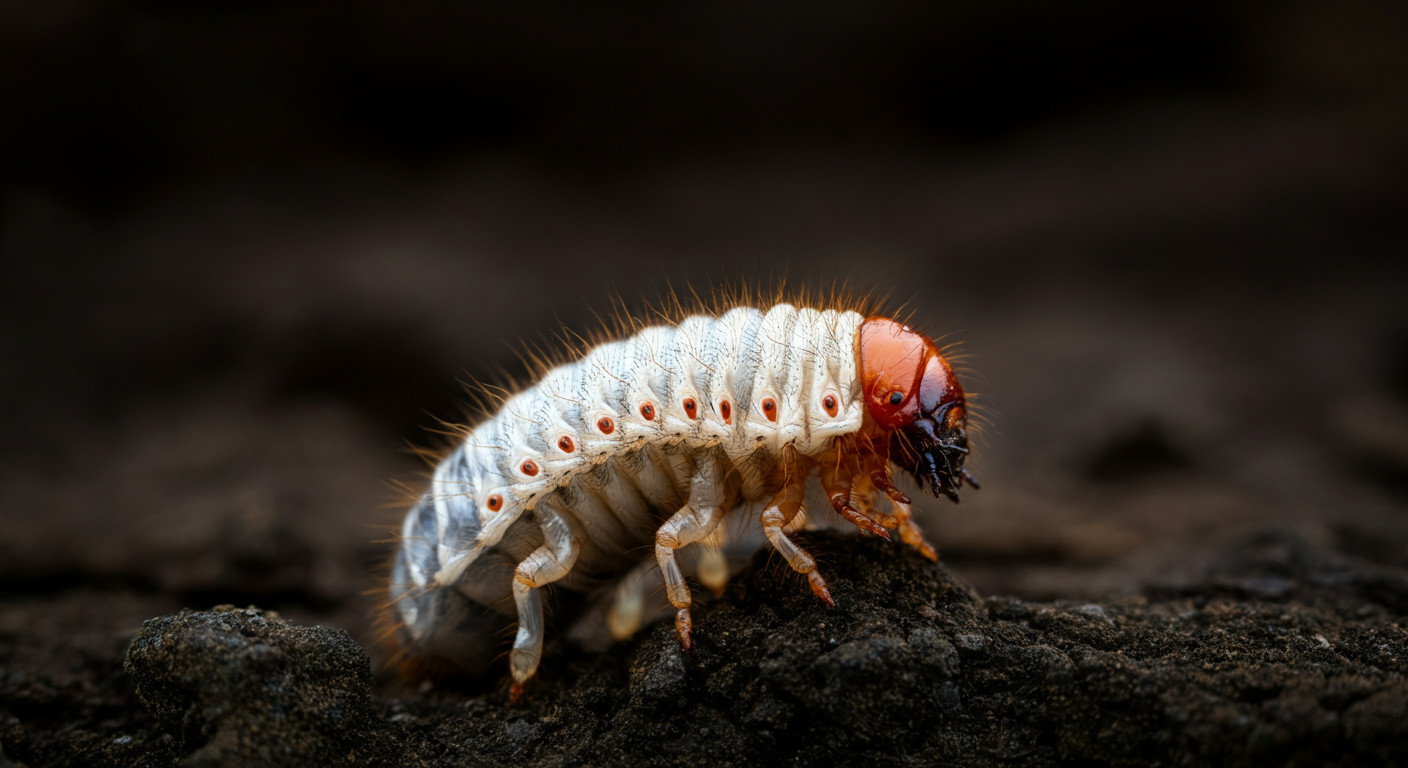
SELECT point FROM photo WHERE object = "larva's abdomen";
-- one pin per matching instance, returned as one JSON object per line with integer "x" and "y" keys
{"x": 590, "y": 461}
{"x": 441, "y": 624}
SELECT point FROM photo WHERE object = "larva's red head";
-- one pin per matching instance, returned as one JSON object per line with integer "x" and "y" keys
{"x": 912, "y": 395}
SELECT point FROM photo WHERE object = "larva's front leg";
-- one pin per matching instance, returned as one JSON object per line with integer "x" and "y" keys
{"x": 696, "y": 520}
{"x": 910, "y": 533}
{"x": 836, "y": 480}
{"x": 543, "y": 566}
{"x": 901, "y": 520}
{"x": 779, "y": 512}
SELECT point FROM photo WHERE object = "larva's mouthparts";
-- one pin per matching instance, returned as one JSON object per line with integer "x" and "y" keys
{"x": 933, "y": 448}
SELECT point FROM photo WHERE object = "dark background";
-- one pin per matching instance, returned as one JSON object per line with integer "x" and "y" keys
{"x": 249, "y": 249}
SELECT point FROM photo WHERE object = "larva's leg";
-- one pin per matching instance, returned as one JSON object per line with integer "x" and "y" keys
{"x": 836, "y": 481}
{"x": 881, "y": 479}
{"x": 694, "y": 521}
{"x": 910, "y": 533}
{"x": 902, "y": 520}
{"x": 545, "y": 565}
{"x": 626, "y": 614}
{"x": 712, "y": 568}
{"x": 779, "y": 512}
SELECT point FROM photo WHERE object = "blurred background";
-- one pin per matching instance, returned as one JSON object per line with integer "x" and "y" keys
{"x": 250, "y": 249}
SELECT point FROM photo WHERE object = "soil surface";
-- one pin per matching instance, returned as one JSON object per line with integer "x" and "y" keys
{"x": 1294, "y": 656}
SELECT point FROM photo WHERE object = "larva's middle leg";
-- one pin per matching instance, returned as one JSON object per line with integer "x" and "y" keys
{"x": 696, "y": 520}
{"x": 543, "y": 566}
{"x": 779, "y": 512}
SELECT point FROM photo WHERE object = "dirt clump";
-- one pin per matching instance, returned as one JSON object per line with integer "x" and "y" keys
{"x": 912, "y": 667}
{"x": 244, "y": 687}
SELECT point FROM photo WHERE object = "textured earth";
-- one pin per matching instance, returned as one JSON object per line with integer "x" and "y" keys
{"x": 1292, "y": 656}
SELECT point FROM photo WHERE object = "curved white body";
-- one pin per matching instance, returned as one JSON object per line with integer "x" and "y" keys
{"x": 588, "y": 515}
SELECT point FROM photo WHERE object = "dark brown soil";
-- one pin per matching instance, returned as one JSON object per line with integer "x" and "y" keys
{"x": 1295, "y": 657}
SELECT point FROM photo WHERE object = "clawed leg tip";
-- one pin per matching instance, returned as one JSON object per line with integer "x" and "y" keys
{"x": 819, "y": 588}
{"x": 515, "y": 693}
{"x": 861, "y": 521}
{"x": 685, "y": 626}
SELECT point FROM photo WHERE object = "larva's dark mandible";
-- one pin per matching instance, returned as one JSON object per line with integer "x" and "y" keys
{"x": 658, "y": 439}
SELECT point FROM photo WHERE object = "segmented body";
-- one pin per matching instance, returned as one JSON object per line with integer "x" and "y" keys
{"x": 642, "y": 447}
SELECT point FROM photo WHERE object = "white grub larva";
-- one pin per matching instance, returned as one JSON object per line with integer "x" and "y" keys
{"x": 720, "y": 430}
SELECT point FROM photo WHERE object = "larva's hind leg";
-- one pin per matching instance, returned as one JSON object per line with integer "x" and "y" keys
{"x": 628, "y": 609}
{"x": 779, "y": 512}
{"x": 543, "y": 566}
{"x": 697, "y": 519}
{"x": 631, "y": 604}
{"x": 712, "y": 568}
